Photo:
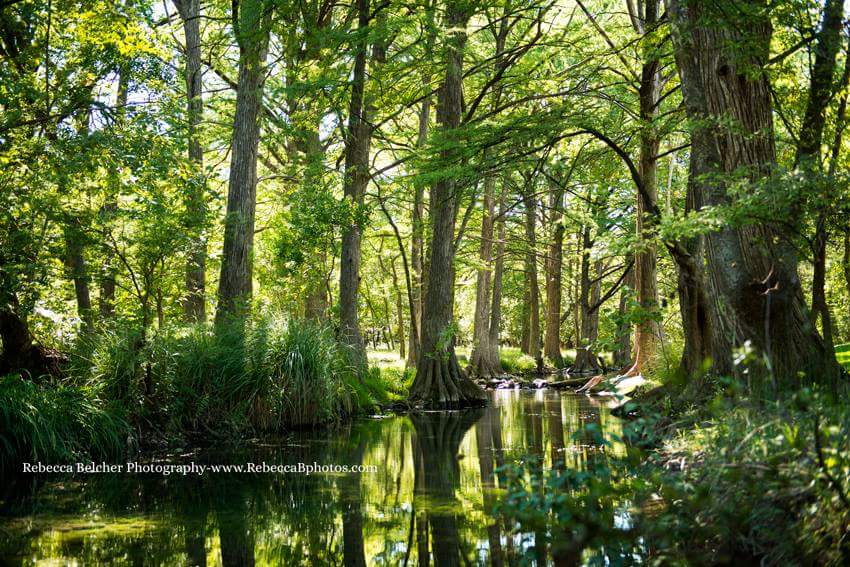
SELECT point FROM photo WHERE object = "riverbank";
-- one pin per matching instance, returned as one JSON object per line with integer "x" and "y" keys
{"x": 121, "y": 392}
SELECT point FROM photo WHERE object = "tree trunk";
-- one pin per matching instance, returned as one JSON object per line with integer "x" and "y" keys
{"x": 623, "y": 355}
{"x": 846, "y": 263}
{"x": 492, "y": 358}
{"x": 586, "y": 360}
{"x": 648, "y": 330}
{"x": 554, "y": 263}
{"x": 751, "y": 270}
{"x": 417, "y": 240}
{"x": 439, "y": 381}
{"x": 810, "y": 142}
{"x": 357, "y": 144}
{"x": 531, "y": 275}
{"x": 194, "y": 304}
{"x": 106, "y": 299}
{"x": 399, "y": 307}
{"x": 481, "y": 322}
{"x": 78, "y": 272}
{"x": 235, "y": 283}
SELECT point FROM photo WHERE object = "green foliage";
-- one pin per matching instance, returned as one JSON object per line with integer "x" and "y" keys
{"x": 514, "y": 361}
{"x": 268, "y": 375}
{"x": 767, "y": 483}
{"x": 57, "y": 423}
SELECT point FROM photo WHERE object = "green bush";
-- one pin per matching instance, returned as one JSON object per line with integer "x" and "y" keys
{"x": 748, "y": 483}
{"x": 56, "y": 423}
{"x": 266, "y": 374}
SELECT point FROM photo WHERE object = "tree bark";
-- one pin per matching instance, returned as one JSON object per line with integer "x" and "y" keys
{"x": 531, "y": 274}
{"x": 751, "y": 270}
{"x": 586, "y": 360}
{"x": 623, "y": 354}
{"x": 648, "y": 330}
{"x": 194, "y": 303}
{"x": 417, "y": 240}
{"x": 106, "y": 299}
{"x": 399, "y": 307}
{"x": 235, "y": 286}
{"x": 492, "y": 356}
{"x": 481, "y": 321}
{"x": 554, "y": 264}
{"x": 357, "y": 145}
{"x": 439, "y": 381}
{"x": 78, "y": 272}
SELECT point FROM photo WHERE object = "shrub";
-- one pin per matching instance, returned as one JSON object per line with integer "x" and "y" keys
{"x": 56, "y": 423}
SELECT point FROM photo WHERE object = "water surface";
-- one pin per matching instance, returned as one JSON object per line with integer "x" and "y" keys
{"x": 433, "y": 498}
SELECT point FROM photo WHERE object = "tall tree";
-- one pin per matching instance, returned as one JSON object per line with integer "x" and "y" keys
{"x": 194, "y": 304}
{"x": 440, "y": 382}
{"x": 357, "y": 143}
{"x": 417, "y": 222}
{"x": 479, "y": 364}
{"x": 645, "y": 20}
{"x": 250, "y": 19}
{"x": 533, "y": 288}
{"x": 554, "y": 263}
{"x": 754, "y": 278}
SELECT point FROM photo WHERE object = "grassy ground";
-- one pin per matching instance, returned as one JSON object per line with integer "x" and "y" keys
{"x": 512, "y": 358}
{"x": 842, "y": 352}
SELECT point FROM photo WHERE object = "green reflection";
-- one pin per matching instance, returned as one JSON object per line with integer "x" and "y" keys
{"x": 432, "y": 501}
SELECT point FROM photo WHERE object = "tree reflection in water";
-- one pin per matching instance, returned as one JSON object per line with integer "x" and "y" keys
{"x": 433, "y": 501}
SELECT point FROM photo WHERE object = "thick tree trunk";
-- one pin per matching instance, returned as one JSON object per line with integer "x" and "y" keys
{"x": 751, "y": 270}
{"x": 235, "y": 283}
{"x": 554, "y": 263}
{"x": 194, "y": 304}
{"x": 357, "y": 145}
{"x": 19, "y": 352}
{"x": 531, "y": 277}
{"x": 439, "y": 381}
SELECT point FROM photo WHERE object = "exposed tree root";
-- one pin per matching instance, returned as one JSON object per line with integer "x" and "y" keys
{"x": 441, "y": 383}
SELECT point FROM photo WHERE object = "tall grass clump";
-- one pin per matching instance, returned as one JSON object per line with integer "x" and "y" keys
{"x": 56, "y": 423}
{"x": 305, "y": 369}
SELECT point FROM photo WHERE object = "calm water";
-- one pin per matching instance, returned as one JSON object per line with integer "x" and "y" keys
{"x": 431, "y": 500}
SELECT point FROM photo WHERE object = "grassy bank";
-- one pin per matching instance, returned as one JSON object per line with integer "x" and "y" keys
{"x": 121, "y": 391}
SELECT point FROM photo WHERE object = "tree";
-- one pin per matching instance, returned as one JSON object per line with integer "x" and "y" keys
{"x": 251, "y": 20}
{"x": 439, "y": 381}
{"x": 754, "y": 281}
{"x": 194, "y": 304}
{"x": 357, "y": 144}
